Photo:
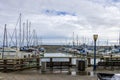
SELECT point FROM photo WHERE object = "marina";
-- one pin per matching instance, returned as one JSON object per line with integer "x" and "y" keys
{"x": 59, "y": 40}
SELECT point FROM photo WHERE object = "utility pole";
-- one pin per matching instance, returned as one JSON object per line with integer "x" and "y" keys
{"x": 95, "y": 36}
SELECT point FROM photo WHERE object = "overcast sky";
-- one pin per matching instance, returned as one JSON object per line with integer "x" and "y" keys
{"x": 56, "y": 20}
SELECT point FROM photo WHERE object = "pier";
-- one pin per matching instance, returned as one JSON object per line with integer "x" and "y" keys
{"x": 7, "y": 65}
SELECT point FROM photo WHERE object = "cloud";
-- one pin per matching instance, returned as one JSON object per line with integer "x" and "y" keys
{"x": 58, "y": 19}
{"x": 57, "y": 13}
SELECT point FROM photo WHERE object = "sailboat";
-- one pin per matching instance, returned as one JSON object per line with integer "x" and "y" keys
{"x": 5, "y": 51}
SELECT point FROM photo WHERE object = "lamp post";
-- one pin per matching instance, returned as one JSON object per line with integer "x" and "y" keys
{"x": 95, "y": 36}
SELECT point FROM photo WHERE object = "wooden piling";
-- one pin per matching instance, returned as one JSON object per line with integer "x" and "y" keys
{"x": 51, "y": 65}
{"x": 89, "y": 62}
{"x": 38, "y": 63}
{"x": 5, "y": 65}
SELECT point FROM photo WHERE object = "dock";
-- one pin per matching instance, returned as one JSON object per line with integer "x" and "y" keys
{"x": 7, "y": 65}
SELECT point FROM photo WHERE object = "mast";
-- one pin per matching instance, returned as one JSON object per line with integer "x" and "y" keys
{"x": 119, "y": 38}
{"x": 41, "y": 41}
{"x": 77, "y": 40}
{"x": 79, "y": 43}
{"x": 107, "y": 43}
{"x": 5, "y": 42}
{"x": 23, "y": 34}
{"x": 20, "y": 31}
{"x": 16, "y": 37}
{"x": 6, "y": 36}
{"x": 98, "y": 42}
{"x": 27, "y": 33}
{"x": 73, "y": 41}
{"x": 88, "y": 42}
{"x": 83, "y": 40}
{"x": 34, "y": 38}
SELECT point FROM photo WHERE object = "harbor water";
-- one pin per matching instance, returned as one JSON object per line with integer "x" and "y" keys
{"x": 64, "y": 57}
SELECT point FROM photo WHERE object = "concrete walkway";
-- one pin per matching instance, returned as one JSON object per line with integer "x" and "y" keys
{"x": 37, "y": 75}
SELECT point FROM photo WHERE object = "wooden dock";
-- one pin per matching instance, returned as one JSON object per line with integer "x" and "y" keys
{"x": 7, "y": 65}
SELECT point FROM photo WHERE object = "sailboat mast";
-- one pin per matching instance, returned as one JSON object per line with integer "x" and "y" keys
{"x": 77, "y": 40}
{"x": 41, "y": 41}
{"x": 5, "y": 44}
{"x": 33, "y": 37}
{"x": 16, "y": 37}
{"x": 20, "y": 31}
{"x": 36, "y": 40}
{"x": 73, "y": 40}
{"x": 6, "y": 36}
{"x": 107, "y": 43}
{"x": 23, "y": 34}
{"x": 119, "y": 38}
{"x": 27, "y": 32}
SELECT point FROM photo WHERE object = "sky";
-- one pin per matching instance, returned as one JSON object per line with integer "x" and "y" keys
{"x": 56, "y": 20}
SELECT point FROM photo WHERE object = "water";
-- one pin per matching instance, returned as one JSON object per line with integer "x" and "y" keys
{"x": 62, "y": 55}
{"x": 92, "y": 61}
{"x": 58, "y": 57}
{"x": 46, "y": 55}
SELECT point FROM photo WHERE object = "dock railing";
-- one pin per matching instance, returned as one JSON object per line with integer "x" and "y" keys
{"x": 19, "y": 64}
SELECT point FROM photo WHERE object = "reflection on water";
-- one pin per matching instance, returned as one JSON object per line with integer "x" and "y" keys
{"x": 92, "y": 73}
{"x": 72, "y": 73}
{"x": 61, "y": 57}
